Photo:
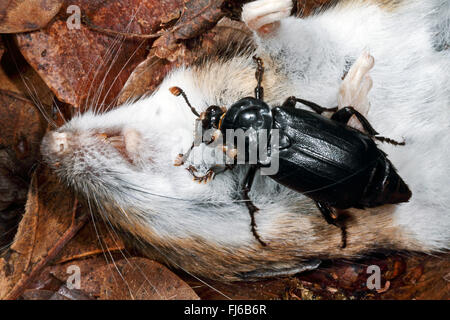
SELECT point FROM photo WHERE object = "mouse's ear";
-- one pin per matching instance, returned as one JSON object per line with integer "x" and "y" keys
{"x": 176, "y": 91}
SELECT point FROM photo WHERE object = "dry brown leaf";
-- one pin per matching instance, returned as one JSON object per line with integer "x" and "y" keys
{"x": 48, "y": 215}
{"x": 18, "y": 76}
{"x": 145, "y": 78}
{"x": 124, "y": 279}
{"x": 22, "y": 130}
{"x": 197, "y": 17}
{"x": 2, "y": 48}
{"x": 83, "y": 66}
{"x": 47, "y": 219}
{"x": 150, "y": 73}
{"x": 26, "y": 15}
{"x": 91, "y": 240}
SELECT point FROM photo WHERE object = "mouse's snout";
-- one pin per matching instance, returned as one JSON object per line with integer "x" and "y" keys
{"x": 56, "y": 142}
{"x": 55, "y": 145}
{"x": 82, "y": 150}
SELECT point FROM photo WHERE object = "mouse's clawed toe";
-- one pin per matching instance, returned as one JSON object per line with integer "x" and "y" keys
{"x": 264, "y": 16}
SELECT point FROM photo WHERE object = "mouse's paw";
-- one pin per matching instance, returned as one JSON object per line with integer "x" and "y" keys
{"x": 355, "y": 87}
{"x": 264, "y": 16}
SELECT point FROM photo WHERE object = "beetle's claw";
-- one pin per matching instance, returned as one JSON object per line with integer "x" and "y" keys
{"x": 179, "y": 160}
{"x": 205, "y": 179}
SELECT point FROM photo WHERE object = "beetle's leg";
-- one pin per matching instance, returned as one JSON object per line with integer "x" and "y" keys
{"x": 247, "y": 185}
{"x": 291, "y": 102}
{"x": 231, "y": 153}
{"x": 210, "y": 174}
{"x": 181, "y": 158}
{"x": 259, "y": 90}
{"x": 344, "y": 115}
{"x": 327, "y": 214}
{"x": 389, "y": 140}
{"x": 216, "y": 135}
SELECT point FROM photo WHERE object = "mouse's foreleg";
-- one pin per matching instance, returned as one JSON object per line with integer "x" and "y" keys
{"x": 264, "y": 16}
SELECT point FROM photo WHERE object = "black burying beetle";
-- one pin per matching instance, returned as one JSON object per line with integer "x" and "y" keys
{"x": 335, "y": 165}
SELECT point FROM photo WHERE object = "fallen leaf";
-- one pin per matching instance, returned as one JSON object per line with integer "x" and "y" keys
{"x": 47, "y": 217}
{"x": 86, "y": 68}
{"x": 26, "y": 15}
{"x": 197, "y": 17}
{"x": 2, "y": 48}
{"x": 146, "y": 77}
{"x": 124, "y": 279}
{"x": 22, "y": 130}
{"x": 92, "y": 240}
{"x": 17, "y": 76}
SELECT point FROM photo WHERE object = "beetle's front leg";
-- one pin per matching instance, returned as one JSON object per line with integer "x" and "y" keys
{"x": 292, "y": 101}
{"x": 210, "y": 174}
{"x": 182, "y": 157}
{"x": 259, "y": 90}
{"x": 246, "y": 187}
{"x": 345, "y": 114}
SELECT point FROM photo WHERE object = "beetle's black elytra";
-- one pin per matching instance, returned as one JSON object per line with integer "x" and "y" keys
{"x": 333, "y": 164}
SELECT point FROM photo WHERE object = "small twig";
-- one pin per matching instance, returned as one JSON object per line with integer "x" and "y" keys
{"x": 92, "y": 26}
{"x": 75, "y": 226}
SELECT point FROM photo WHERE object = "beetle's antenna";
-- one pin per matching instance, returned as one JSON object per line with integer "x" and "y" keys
{"x": 259, "y": 90}
{"x": 176, "y": 91}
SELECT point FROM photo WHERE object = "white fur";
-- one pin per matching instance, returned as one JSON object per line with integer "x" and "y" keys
{"x": 410, "y": 99}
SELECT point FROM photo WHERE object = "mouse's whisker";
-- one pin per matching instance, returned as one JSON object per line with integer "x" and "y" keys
{"x": 123, "y": 67}
{"x": 115, "y": 236}
{"x": 106, "y": 250}
{"x": 107, "y": 62}
{"x": 90, "y": 97}
{"x": 112, "y": 57}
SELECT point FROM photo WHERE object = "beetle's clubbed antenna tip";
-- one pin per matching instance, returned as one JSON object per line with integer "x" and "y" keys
{"x": 176, "y": 91}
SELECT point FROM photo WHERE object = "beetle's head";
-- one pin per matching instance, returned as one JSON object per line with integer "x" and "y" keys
{"x": 211, "y": 117}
